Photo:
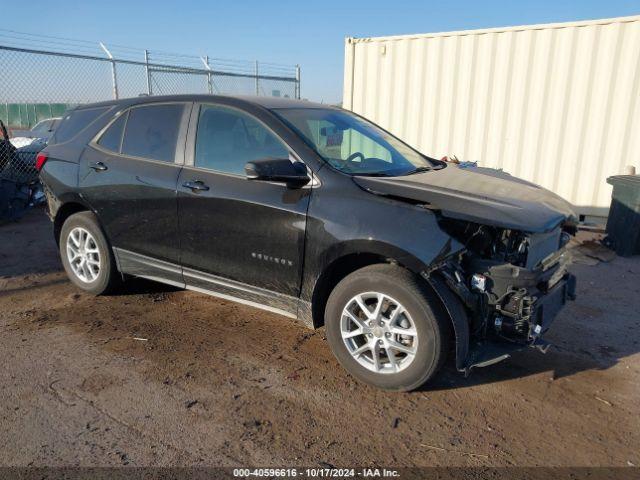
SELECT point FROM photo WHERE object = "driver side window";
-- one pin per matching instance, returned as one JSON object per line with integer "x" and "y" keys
{"x": 227, "y": 139}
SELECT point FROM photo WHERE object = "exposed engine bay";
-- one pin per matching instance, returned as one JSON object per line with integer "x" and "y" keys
{"x": 512, "y": 283}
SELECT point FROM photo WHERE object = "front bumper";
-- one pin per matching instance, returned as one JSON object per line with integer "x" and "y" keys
{"x": 544, "y": 310}
{"x": 549, "y": 305}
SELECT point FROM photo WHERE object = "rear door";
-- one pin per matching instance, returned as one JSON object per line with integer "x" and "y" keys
{"x": 129, "y": 176}
{"x": 251, "y": 232}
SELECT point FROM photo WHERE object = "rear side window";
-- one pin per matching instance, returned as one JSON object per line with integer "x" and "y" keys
{"x": 152, "y": 132}
{"x": 111, "y": 139}
{"x": 76, "y": 121}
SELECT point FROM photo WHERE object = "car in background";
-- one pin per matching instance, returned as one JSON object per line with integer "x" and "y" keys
{"x": 19, "y": 187}
{"x": 43, "y": 130}
{"x": 19, "y": 184}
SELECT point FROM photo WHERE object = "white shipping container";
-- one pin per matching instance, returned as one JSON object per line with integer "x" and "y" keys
{"x": 555, "y": 104}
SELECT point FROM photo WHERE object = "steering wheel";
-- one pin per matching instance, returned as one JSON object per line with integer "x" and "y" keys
{"x": 355, "y": 155}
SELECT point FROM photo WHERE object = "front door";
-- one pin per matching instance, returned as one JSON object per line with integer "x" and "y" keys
{"x": 237, "y": 233}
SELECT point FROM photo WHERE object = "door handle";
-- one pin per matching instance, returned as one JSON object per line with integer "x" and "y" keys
{"x": 196, "y": 186}
{"x": 98, "y": 166}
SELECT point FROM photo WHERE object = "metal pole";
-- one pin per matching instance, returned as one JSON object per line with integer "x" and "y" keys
{"x": 257, "y": 80}
{"x": 146, "y": 69}
{"x": 205, "y": 60}
{"x": 298, "y": 82}
{"x": 114, "y": 78}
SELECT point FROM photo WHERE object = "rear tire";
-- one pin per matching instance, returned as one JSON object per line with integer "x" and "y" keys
{"x": 86, "y": 255}
{"x": 400, "y": 341}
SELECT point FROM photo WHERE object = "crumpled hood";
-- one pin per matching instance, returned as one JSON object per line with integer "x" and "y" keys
{"x": 481, "y": 195}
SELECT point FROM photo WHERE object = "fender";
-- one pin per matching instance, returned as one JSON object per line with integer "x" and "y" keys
{"x": 322, "y": 267}
{"x": 374, "y": 247}
{"x": 320, "y": 264}
{"x": 343, "y": 258}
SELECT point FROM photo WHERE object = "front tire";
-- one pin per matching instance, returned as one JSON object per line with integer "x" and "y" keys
{"x": 387, "y": 328}
{"x": 86, "y": 255}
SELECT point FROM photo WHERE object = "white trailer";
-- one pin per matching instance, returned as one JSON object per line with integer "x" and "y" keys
{"x": 556, "y": 104}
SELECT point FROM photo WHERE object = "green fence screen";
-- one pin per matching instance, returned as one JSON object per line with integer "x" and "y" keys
{"x": 26, "y": 115}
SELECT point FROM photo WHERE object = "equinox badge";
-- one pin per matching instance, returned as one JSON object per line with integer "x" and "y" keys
{"x": 269, "y": 258}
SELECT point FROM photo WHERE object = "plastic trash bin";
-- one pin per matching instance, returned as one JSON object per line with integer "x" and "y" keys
{"x": 623, "y": 224}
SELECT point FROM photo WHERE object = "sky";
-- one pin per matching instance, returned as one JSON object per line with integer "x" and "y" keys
{"x": 308, "y": 33}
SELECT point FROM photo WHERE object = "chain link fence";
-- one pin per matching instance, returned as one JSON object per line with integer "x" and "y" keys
{"x": 41, "y": 77}
{"x": 29, "y": 76}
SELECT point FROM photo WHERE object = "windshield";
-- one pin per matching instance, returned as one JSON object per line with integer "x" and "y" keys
{"x": 353, "y": 145}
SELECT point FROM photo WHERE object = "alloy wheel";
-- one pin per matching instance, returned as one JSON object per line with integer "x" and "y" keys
{"x": 379, "y": 332}
{"x": 83, "y": 254}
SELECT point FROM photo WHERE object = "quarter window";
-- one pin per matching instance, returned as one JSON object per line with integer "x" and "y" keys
{"x": 75, "y": 121}
{"x": 227, "y": 139}
{"x": 111, "y": 139}
{"x": 152, "y": 132}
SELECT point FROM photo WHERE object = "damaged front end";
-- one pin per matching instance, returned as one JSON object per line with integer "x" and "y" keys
{"x": 504, "y": 288}
{"x": 507, "y": 284}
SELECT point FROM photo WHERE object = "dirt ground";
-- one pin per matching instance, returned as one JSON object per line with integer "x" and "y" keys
{"x": 165, "y": 377}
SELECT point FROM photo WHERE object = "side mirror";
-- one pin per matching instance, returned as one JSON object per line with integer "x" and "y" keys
{"x": 282, "y": 170}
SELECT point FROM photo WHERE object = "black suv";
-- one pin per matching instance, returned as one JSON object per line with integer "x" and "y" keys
{"x": 315, "y": 213}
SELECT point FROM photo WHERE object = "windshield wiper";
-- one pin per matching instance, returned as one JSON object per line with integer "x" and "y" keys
{"x": 419, "y": 170}
{"x": 374, "y": 174}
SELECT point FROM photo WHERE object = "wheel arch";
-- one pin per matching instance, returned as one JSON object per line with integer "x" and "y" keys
{"x": 356, "y": 256}
{"x": 65, "y": 210}
{"x": 344, "y": 259}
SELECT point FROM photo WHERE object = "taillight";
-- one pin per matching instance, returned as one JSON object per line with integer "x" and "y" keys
{"x": 41, "y": 159}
